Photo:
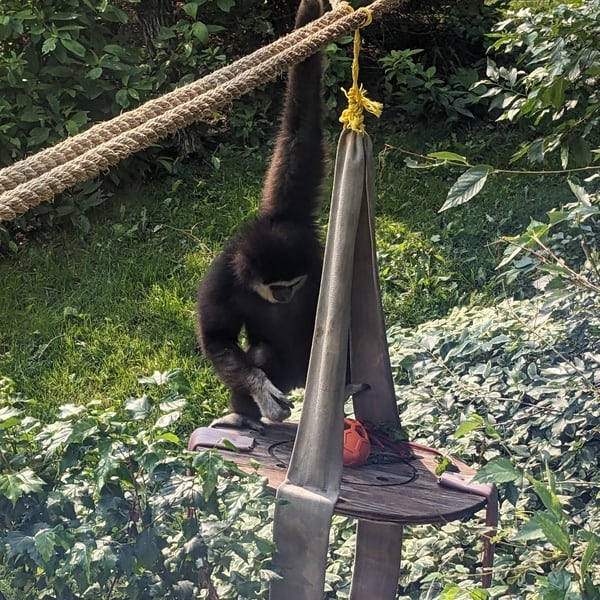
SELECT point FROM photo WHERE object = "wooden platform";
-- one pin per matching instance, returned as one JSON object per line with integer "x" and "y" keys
{"x": 402, "y": 493}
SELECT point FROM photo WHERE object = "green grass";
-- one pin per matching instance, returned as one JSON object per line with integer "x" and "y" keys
{"x": 431, "y": 261}
{"x": 83, "y": 316}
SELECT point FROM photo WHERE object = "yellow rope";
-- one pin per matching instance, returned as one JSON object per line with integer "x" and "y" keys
{"x": 353, "y": 116}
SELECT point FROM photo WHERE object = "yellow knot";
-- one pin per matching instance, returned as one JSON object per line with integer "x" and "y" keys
{"x": 353, "y": 117}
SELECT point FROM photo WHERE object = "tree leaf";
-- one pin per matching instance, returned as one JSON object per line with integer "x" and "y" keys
{"x": 139, "y": 407}
{"x": 580, "y": 151}
{"x": 122, "y": 98}
{"x": 226, "y": 5}
{"x": 467, "y": 186}
{"x": 555, "y": 534}
{"x": 448, "y": 156}
{"x": 9, "y": 417}
{"x": 178, "y": 382}
{"x": 554, "y": 94}
{"x": 147, "y": 551}
{"x": 588, "y": 555}
{"x": 49, "y": 45}
{"x": 15, "y": 485}
{"x": 200, "y": 32}
{"x": 580, "y": 192}
{"x": 73, "y": 46}
{"x": 191, "y": 8}
{"x": 548, "y": 498}
{"x": 44, "y": 543}
{"x": 498, "y": 470}
{"x": 167, "y": 420}
{"x": 530, "y": 531}
{"x": 473, "y": 422}
{"x": 558, "y": 581}
{"x": 536, "y": 151}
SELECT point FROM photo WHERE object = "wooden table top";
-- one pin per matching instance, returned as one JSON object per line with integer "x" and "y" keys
{"x": 405, "y": 492}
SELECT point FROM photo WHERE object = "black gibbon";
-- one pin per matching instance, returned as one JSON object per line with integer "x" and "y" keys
{"x": 266, "y": 280}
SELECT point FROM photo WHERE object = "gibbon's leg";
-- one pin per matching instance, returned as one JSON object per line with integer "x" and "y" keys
{"x": 266, "y": 359}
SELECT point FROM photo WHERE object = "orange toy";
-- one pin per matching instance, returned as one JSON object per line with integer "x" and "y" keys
{"x": 356, "y": 443}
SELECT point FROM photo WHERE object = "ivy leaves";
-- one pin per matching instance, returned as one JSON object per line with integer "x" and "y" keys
{"x": 16, "y": 485}
{"x": 107, "y": 503}
{"x": 514, "y": 389}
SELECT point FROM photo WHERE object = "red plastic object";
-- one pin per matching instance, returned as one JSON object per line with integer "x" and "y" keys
{"x": 356, "y": 443}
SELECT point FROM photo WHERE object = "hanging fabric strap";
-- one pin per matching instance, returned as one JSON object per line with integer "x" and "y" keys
{"x": 312, "y": 485}
{"x": 311, "y": 489}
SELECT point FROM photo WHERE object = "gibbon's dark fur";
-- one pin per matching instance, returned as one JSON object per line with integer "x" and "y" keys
{"x": 279, "y": 254}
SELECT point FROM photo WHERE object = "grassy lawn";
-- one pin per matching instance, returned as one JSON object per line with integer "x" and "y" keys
{"x": 83, "y": 316}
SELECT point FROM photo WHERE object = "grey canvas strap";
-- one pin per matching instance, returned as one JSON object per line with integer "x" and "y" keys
{"x": 310, "y": 491}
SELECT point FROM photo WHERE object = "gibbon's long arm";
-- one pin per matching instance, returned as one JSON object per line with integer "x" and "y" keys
{"x": 219, "y": 332}
{"x": 293, "y": 180}
{"x": 266, "y": 280}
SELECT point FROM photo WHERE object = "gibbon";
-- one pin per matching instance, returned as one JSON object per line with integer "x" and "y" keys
{"x": 266, "y": 280}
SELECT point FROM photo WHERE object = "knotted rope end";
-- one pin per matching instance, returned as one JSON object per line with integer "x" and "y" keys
{"x": 353, "y": 116}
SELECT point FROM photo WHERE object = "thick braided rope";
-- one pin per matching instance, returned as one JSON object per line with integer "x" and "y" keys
{"x": 104, "y": 155}
{"x": 35, "y": 165}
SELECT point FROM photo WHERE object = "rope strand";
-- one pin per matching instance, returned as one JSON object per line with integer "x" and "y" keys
{"x": 353, "y": 116}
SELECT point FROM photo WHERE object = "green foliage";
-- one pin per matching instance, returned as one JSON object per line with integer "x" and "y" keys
{"x": 66, "y": 65}
{"x": 418, "y": 91}
{"x": 107, "y": 503}
{"x": 100, "y": 502}
{"x": 514, "y": 389}
{"x": 63, "y": 65}
{"x": 518, "y": 382}
{"x": 562, "y": 251}
{"x": 338, "y": 61}
{"x": 546, "y": 69}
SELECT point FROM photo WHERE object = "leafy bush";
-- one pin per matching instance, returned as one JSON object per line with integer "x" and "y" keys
{"x": 106, "y": 503}
{"x": 514, "y": 389}
{"x": 66, "y": 65}
{"x": 545, "y": 68}
{"x": 418, "y": 91}
{"x": 562, "y": 251}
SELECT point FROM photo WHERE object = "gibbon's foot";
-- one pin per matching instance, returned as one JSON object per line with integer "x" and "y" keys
{"x": 271, "y": 401}
{"x": 238, "y": 421}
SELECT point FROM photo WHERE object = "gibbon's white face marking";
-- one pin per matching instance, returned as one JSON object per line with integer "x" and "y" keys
{"x": 271, "y": 401}
{"x": 279, "y": 291}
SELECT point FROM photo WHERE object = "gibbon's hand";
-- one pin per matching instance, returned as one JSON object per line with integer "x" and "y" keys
{"x": 271, "y": 401}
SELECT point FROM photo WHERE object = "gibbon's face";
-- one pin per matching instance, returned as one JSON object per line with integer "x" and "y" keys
{"x": 279, "y": 292}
